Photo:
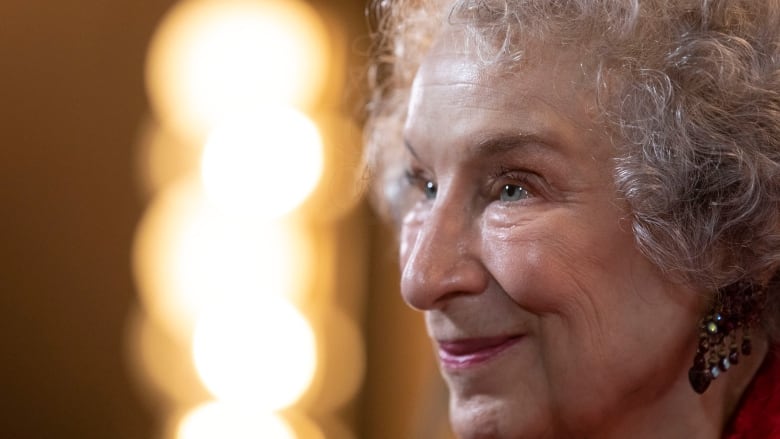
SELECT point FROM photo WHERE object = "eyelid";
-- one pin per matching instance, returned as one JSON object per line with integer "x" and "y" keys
{"x": 415, "y": 175}
{"x": 419, "y": 179}
{"x": 507, "y": 176}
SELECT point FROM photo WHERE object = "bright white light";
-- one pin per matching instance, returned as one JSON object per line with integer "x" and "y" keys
{"x": 189, "y": 257}
{"x": 211, "y": 59}
{"x": 264, "y": 164}
{"x": 261, "y": 354}
{"x": 216, "y": 420}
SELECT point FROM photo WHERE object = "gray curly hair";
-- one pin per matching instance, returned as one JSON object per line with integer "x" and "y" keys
{"x": 690, "y": 90}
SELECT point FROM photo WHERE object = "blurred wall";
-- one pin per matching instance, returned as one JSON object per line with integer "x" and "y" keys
{"x": 71, "y": 100}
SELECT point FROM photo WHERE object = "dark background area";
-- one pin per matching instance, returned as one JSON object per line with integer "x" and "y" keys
{"x": 72, "y": 99}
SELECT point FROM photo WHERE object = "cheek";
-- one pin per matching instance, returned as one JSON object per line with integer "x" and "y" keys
{"x": 602, "y": 310}
{"x": 539, "y": 270}
{"x": 560, "y": 260}
{"x": 588, "y": 277}
{"x": 566, "y": 275}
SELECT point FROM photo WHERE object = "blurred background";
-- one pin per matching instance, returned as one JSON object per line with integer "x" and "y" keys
{"x": 186, "y": 252}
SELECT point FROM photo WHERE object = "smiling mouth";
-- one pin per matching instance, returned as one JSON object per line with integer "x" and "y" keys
{"x": 463, "y": 353}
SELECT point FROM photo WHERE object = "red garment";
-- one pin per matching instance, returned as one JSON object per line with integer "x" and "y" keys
{"x": 758, "y": 415}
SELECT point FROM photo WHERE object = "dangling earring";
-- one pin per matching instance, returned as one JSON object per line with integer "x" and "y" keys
{"x": 724, "y": 334}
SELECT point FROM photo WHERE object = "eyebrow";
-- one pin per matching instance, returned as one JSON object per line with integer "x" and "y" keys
{"x": 497, "y": 144}
{"x": 411, "y": 150}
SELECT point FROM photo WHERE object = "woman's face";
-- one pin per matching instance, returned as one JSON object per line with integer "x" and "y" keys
{"x": 546, "y": 318}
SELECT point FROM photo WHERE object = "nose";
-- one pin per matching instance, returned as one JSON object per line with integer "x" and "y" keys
{"x": 440, "y": 257}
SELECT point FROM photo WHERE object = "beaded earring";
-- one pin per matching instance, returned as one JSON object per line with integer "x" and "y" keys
{"x": 724, "y": 334}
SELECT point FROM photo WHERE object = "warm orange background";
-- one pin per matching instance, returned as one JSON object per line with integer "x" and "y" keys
{"x": 71, "y": 100}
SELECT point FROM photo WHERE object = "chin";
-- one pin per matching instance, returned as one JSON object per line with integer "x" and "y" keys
{"x": 486, "y": 417}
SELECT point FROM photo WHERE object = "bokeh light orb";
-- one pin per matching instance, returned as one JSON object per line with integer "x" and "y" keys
{"x": 161, "y": 159}
{"x": 260, "y": 354}
{"x": 218, "y": 419}
{"x": 211, "y": 59}
{"x": 161, "y": 363}
{"x": 189, "y": 256}
{"x": 304, "y": 426}
{"x": 264, "y": 163}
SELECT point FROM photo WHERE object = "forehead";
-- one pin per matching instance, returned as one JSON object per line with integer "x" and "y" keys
{"x": 545, "y": 93}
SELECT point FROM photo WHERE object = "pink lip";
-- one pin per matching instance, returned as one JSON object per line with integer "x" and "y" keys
{"x": 463, "y": 353}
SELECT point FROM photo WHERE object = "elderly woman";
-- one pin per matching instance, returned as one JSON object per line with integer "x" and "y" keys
{"x": 588, "y": 201}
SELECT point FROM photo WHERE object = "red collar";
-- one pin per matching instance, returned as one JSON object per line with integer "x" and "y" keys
{"x": 758, "y": 415}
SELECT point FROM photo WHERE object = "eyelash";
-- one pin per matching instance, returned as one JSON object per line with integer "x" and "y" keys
{"x": 505, "y": 178}
{"x": 509, "y": 177}
{"x": 417, "y": 179}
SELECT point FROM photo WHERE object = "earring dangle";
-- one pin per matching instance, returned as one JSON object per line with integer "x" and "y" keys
{"x": 724, "y": 334}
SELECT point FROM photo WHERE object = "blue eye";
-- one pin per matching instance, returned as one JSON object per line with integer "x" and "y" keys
{"x": 422, "y": 183}
{"x": 513, "y": 192}
{"x": 429, "y": 189}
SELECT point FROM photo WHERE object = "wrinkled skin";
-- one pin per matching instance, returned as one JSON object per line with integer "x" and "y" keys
{"x": 517, "y": 234}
